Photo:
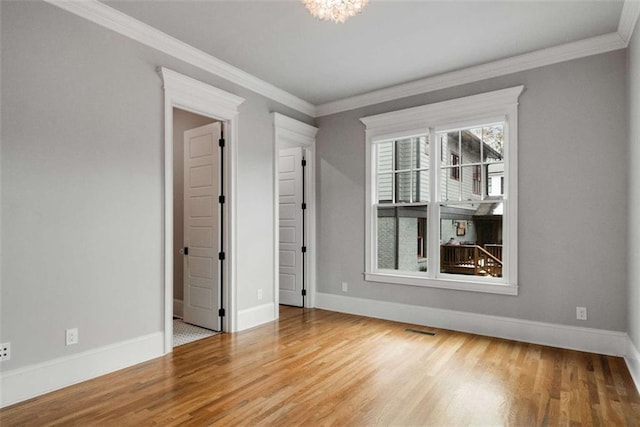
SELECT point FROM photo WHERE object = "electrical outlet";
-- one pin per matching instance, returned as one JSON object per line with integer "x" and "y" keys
{"x": 581, "y": 313}
{"x": 259, "y": 294}
{"x": 72, "y": 336}
{"x": 5, "y": 351}
{"x": 345, "y": 287}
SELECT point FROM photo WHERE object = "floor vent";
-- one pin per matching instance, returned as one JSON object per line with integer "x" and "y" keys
{"x": 417, "y": 331}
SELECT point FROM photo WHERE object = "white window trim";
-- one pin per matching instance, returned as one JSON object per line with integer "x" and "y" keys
{"x": 428, "y": 119}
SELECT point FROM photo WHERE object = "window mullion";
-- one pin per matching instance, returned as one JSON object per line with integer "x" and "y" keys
{"x": 433, "y": 226}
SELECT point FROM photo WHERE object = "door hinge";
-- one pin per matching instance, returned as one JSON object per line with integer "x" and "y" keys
{"x": 221, "y": 256}
{"x": 304, "y": 292}
{"x": 304, "y": 206}
{"x": 304, "y": 162}
{"x": 221, "y": 312}
{"x": 221, "y": 142}
{"x": 304, "y": 249}
{"x": 185, "y": 251}
{"x": 221, "y": 199}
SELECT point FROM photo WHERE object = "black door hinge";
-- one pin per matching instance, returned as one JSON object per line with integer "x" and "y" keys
{"x": 304, "y": 292}
{"x": 221, "y": 142}
{"x": 304, "y": 206}
{"x": 221, "y": 312}
{"x": 185, "y": 251}
{"x": 221, "y": 199}
{"x": 304, "y": 249}
{"x": 304, "y": 162}
{"x": 221, "y": 256}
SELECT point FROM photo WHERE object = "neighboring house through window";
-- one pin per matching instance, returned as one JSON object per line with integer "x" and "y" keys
{"x": 437, "y": 211}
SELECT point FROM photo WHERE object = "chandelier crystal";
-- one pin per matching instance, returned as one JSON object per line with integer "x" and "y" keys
{"x": 334, "y": 10}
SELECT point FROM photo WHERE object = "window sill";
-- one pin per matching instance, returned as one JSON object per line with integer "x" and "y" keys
{"x": 459, "y": 285}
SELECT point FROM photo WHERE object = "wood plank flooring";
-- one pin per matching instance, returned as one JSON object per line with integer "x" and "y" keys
{"x": 317, "y": 368}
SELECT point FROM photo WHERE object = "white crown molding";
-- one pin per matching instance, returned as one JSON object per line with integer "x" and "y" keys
{"x": 127, "y": 26}
{"x": 628, "y": 19}
{"x": 31, "y": 381}
{"x": 562, "y": 336}
{"x": 539, "y": 58}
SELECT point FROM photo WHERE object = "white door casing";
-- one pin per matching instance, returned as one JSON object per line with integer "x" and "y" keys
{"x": 290, "y": 226}
{"x": 188, "y": 94}
{"x": 289, "y": 133}
{"x": 201, "y": 226}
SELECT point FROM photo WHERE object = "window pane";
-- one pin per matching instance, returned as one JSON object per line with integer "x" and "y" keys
{"x": 449, "y": 148}
{"x": 402, "y": 238}
{"x": 493, "y": 138}
{"x": 471, "y": 146}
{"x": 404, "y": 187}
{"x": 385, "y": 157}
{"x": 449, "y": 185}
{"x": 405, "y": 154}
{"x": 421, "y": 184}
{"x": 471, "y": 239}
{"x": 471, "y": 183}
{"x": 495, "y": 179}
{"x": 385, "y": 188}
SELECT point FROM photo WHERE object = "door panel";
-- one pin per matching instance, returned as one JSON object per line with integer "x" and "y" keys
{"x": 290, "y": 233}
{"x": 201, "y": 189}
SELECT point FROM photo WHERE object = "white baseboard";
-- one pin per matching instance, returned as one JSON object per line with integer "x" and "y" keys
{"x": 255, "y": 316}
{"x": 562, "y": 336}
{"x": 177, "y": 308}
{"x": 633, "y": 362}
{"x": 31, "y": 381}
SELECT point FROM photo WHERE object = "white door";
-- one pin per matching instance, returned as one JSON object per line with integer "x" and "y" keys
{"x": 201, "y": 190}
{"x": 291, "y": 227}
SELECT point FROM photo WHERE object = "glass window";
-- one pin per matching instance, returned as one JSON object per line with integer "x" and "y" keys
{"x": 460, "y": 232}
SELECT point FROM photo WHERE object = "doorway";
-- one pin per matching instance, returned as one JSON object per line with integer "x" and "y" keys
{"x": 185, "y": 93}
{"x": 295, "y": 212}
{"x": 196, "y": 226}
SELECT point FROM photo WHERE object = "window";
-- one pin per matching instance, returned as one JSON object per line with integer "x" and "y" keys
{"x": 402, "y": 175}
{"x": 442, "y": 194}
{"x": 455, "y": 170}
{"x": 477, "y": 179}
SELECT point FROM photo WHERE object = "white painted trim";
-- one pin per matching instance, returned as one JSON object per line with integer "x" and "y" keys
{"x": 178, "y": 310}
{"x": 127, "y": 26}
{"x": 632, "y": 358}
{"x": 628, "y": 19}
{"x": 189, "y": 94}
{"x": 427, "y": 119}
{"x": 31, "y": 381}
{"x": 570, "y": 337}
{"x": 255, "y": 316}
{"x": 459, "y": 285}
{"x": 527, "y": 61}
{"x": 296, "y": 133}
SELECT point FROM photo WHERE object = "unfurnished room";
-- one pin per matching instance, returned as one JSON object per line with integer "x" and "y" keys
{"x": 320, "y": 212}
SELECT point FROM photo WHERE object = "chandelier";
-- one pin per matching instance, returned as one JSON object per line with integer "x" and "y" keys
{"x": 334, "y": 10}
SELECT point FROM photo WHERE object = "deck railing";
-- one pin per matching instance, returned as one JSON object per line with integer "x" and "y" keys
{"x": 471, "y": 259}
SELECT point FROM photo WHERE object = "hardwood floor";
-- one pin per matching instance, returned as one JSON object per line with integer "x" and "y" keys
{"x": 317, "y": 367}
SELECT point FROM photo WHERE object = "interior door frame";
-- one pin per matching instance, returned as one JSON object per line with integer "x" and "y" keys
{"x": 191, "y": 95}
{"x": 289, "y": 132}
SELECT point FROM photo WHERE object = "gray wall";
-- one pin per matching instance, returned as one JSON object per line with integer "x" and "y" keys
{"x": 572, "y": 198}
{"x": 182, "y": 121}
{"x": 634, "y": 190}
{"x": 82, "y": 171}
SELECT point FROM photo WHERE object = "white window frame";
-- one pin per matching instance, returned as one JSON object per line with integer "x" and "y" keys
{"x": 490, "y": 107}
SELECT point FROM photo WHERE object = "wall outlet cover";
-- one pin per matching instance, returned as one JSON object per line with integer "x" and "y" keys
{"x": 5, "y": 351}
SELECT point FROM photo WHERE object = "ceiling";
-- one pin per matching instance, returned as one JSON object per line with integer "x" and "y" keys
{"x": 391, "y": 42}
